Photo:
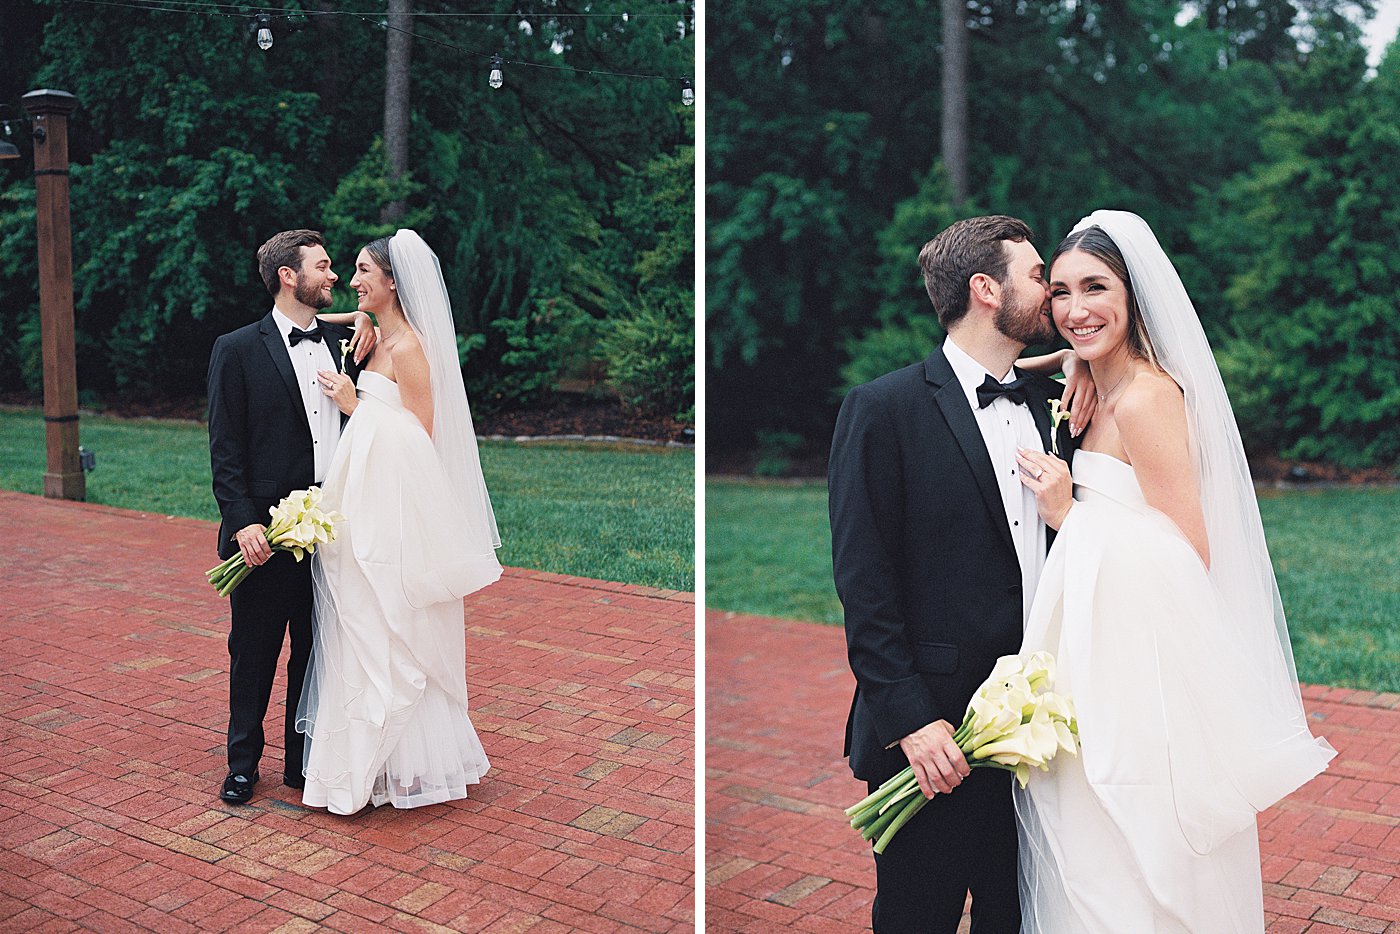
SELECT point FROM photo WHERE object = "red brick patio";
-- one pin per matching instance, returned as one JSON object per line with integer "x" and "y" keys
{"x": 780, "y": 855}
{"x": 113, "y": 704}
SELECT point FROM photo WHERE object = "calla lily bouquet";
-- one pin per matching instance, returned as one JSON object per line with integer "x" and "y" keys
{"x": 298, "y": 525}
{"x": 1014, "y": 722}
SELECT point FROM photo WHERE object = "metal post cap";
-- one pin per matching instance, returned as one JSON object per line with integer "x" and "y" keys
{"x": 49, "y": 101}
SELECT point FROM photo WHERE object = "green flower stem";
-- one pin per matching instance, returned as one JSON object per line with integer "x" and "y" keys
{"x": 904, "y": 816}
{"x": 879, "y": 824}
{"x": 911, "y": 789}
{"x": 237, "y": 579}
{"x": 862, "y": 816}
{"x": 219, "y": 571}
{"x": 880, "y": 793}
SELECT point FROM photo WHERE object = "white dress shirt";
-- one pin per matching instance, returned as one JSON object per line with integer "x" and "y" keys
{"x": 322, "y": 415}
{"x": 1005, "y": 425}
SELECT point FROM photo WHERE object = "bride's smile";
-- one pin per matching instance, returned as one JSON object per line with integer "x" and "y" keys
{"x": 374, "y": 288}
{"x": 1089, "y": 304}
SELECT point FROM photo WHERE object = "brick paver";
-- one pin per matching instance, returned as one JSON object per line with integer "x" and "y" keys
{"x": 113, "y": 706}
{"x": 779, "y": 853}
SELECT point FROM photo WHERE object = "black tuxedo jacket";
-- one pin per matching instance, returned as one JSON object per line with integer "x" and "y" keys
{"x": 259, "y": 437}
{"x": 923, "y": 557}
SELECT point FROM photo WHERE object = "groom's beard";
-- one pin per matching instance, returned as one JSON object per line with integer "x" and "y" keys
{"x": 311, "y": 295}
{"x": 1024, "y": 324}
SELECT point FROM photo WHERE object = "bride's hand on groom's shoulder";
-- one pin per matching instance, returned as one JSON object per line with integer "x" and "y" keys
{"x": 1080, "y": 396}
{"x": 362, "y": 344}
{"x": 938, "y": 763}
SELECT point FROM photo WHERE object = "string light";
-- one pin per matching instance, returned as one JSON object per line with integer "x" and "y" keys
{"x": 263, "y": 27}
{"x": 263, "y": 24}
{"x": 687, "y": 93}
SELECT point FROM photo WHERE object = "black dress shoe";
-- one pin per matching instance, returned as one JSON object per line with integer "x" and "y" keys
{"x": 238, "y": 789}
{"x": 294, "y": 781}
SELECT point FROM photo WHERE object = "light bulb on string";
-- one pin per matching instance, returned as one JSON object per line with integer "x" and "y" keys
{"x": 687, "y": 92}
{"x": 497, "y": 78}
{"x": 264, "y": 27}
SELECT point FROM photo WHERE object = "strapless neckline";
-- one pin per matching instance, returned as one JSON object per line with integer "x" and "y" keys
{"x": 1106, "y": 475}
{"x": 379, "y": 386}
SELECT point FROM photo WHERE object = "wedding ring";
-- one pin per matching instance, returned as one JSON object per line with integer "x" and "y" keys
{"x": 1038, "y": 474}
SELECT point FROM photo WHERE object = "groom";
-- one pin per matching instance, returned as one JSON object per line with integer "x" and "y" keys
{"x": 937, "y": 548}
{"x": 271, "y": 431}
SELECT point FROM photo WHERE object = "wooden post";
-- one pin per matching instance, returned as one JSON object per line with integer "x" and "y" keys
{"x": 49, "y": 110}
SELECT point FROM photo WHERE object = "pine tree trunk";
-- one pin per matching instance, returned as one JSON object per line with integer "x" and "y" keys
{"x": 398, "y": 56}
{"x": 954, "y": 135}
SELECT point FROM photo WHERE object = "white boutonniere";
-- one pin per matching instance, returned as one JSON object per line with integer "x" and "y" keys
{"x": 1057, "y": 415}
{"x": 344, "y": 355}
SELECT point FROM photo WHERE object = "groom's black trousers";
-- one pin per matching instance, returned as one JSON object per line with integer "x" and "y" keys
{"x": 959, "y": 842}
{"x": 274, "y": 599}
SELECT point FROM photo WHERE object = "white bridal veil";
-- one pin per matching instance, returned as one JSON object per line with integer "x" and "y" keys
{"x": 1261, "y": 742}
{"x": 1240, "y": 568}
{"x": 423, "y": 294}
{"x": 1182, "y": 676}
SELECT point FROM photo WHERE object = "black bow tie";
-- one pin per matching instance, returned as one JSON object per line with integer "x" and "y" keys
{"x": 298, "y": 335}
{"x": 991, "y": 390}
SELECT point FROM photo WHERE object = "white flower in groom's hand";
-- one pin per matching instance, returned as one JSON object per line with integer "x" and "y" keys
{"x": 1013, "y": 722}
{"x": 1040, "y": 670}
{"x": 299, "y": 524}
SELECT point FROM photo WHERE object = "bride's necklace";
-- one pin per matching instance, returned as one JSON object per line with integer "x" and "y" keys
{"x": 1103, "y": 396}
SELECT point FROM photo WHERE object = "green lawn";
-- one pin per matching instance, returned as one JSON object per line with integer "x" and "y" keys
{"x": 768, "y": 551}
{"x": 617, "y": 512}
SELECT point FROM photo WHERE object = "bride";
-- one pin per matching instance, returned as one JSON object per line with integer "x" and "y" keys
{"x": 385, "y": 708}
{"x": 1159, "y": 602}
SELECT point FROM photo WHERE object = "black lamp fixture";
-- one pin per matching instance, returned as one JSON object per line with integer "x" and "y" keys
{"x": 8, "y": 150}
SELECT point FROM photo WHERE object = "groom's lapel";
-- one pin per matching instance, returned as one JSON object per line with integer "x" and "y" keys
{"x": 277, "y": 350}
{"x": 333, "y": 345}
{"x": 1040, "y": 411}
{"x": 953, "y": 403}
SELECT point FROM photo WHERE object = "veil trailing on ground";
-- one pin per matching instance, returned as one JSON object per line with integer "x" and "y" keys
{"x": 423, "y": 294}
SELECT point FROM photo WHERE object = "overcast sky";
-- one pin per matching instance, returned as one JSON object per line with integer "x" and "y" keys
{"x": 1380, "y": 32}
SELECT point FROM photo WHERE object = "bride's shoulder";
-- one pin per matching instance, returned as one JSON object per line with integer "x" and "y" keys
{"x": 1150, "y": 398}
{"x": 409, "y": 360}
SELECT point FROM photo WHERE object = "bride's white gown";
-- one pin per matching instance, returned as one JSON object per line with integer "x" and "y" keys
{"x": 1151, "y": 828}
{"x": 386, "y": 713}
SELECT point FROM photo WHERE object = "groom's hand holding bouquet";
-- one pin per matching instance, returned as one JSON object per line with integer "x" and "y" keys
{"x": 1013, "y": 722}
{"x": 298, "y": 525}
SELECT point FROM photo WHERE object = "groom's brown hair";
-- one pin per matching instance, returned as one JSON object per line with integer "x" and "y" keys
{"x": 951, "y": 259}
{"x": 284, "y": 249}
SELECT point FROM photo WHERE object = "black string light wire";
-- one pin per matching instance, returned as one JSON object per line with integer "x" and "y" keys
{"x": 261, "y": 24}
